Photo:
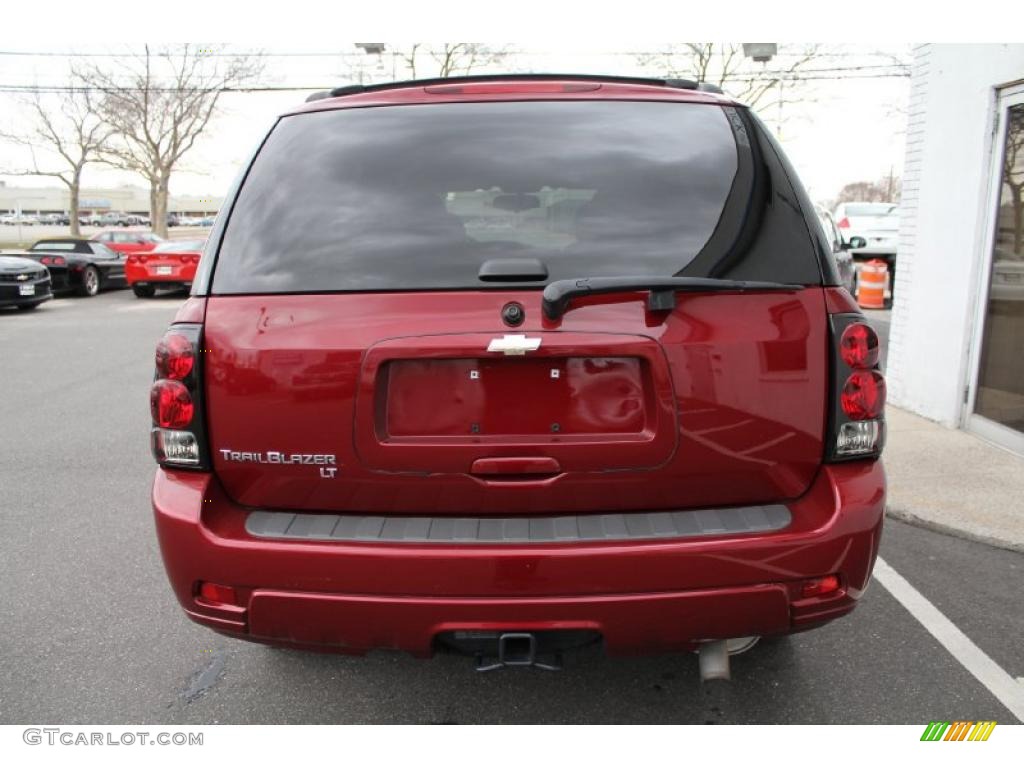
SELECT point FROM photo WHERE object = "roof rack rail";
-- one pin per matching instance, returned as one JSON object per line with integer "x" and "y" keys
{"x": 673, "y": 82}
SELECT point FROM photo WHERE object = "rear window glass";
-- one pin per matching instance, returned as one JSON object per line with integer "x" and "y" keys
{"x": 176, "y": 246}
{"x": 420, "y": 196}
{"x": 45, "y": 246}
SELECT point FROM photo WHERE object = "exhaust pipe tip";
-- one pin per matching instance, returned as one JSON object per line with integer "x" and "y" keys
{"x": 714, "y": 660}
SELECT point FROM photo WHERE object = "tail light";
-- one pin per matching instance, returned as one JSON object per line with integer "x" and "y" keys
{"x": 857, "y": 425}
{"x": 55, "y": 261}
{"x": 844, "y": 223}
{"x": 178, "y": 436}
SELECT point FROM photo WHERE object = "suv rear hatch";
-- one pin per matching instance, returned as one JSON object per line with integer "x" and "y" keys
{"x": 362, "y": 356}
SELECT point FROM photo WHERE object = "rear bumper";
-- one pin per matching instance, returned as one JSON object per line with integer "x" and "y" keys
{"x": 642, "y": 596}
{"x": 11, "y": 297}
{"x": 147, "y": 275}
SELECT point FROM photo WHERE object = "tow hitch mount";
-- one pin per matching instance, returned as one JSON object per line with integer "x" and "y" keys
{"x": 517, "y": 649}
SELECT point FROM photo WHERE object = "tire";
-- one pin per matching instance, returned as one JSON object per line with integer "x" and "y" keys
{"x": 90, "y": 282}
{"x": 27, "y": 307}
{"x": 144, "y": 291}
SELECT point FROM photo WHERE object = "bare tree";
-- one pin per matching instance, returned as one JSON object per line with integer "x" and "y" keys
{"x": 1013, "y": 173}
{"x": 159, "y": 102}
{"x": 724, "y": 65}
{"x": 66, "y": 129}
{"x": 885, "y": 190}
{"x": 448, "y": 59}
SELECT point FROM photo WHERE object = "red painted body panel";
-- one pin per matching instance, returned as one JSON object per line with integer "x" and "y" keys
{"x": 732, "y": 392}
{"x": 192, "y": 311}
{"x": 147, "y": 267}
{"x": 641, "y": 595}
{"x": 127, "y": 248}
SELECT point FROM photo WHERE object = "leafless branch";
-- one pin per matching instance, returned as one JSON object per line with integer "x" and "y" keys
{"x": 67, "y": 130}
{"x": 159, "y": 102}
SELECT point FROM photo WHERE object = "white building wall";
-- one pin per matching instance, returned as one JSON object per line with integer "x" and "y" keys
{"x": 944, "y": 205}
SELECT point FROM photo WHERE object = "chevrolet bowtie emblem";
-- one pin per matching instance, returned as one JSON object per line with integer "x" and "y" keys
{"x": 513, "y": 344}
{"x": 23, "y": 277}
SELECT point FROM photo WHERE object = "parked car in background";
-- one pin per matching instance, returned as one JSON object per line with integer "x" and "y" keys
{"x": 515, "y": 402}
{"x": 207, "y": 221}
{"x": 173, "y": 220}
{"x": 877, "y": 223}
{"x": 1007, "y": 276}
{"x": 76, "y": 264}
{"x": 840, "y": 249}
{"x": 172, "y": 264}
{"x": 128, "y": 242}
{"x": 24, "y": 283}
{"x": 23, "y": 219}
{"x": 878, "y": 226}
{"x": 115, "y": 219}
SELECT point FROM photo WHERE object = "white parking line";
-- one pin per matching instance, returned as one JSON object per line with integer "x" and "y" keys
{"x": 1009, "y": 691}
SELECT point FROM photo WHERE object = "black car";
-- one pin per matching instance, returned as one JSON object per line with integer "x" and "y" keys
{"x": 79, "y": 265}
{"x": 24, "y": 283}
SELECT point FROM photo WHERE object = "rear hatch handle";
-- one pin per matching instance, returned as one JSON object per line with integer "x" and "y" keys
{"x": 559, "y": 294}
{"x": 499, "y": 466}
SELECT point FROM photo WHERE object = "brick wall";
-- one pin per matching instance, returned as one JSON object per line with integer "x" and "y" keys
{"x": 916, "y": 125}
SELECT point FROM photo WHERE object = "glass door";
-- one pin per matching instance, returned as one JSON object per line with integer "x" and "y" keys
{"x": 997, "y": 410}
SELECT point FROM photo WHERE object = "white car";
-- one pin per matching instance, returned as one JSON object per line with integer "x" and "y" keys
{"x": 877, "y": 223}
{"x": 1007, "y": 276}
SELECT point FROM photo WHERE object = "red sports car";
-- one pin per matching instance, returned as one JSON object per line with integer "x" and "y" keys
{"x": 128, "y": 242}
{"x": 172, "y": 264}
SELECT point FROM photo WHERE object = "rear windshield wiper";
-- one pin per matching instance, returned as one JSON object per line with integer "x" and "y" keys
{"x": 558, "y": 294}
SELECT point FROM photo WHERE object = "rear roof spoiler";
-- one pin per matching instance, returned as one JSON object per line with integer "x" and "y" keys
{"x": 671, "y": 82}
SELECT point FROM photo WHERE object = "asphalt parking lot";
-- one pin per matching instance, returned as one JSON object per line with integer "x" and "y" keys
{"x": 92, "y": 633}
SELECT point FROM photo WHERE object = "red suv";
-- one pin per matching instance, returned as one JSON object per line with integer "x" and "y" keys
{"x": 512, "y": 364}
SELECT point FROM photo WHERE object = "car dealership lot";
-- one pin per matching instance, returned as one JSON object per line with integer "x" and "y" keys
{"x": 93, "y": 633}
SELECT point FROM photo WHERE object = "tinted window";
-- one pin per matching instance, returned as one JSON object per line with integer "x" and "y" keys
{"x": 45, "y": 246}
{"x": 101, "y": 250}
{"x": 177, "y": 246}
{"x": 420, "y": 196}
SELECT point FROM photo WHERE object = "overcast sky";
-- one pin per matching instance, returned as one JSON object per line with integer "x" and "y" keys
{"x": 851, "y": 129}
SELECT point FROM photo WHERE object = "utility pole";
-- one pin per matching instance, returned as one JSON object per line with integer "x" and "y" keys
{"x": 778, "y": 126}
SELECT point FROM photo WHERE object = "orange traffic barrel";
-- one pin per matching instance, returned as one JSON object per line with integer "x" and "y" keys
{"x": 871, "y": 284}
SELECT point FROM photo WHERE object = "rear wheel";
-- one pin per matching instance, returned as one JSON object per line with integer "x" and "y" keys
{"x": 90, "y": 282}
{"x": 144, "y": 291}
